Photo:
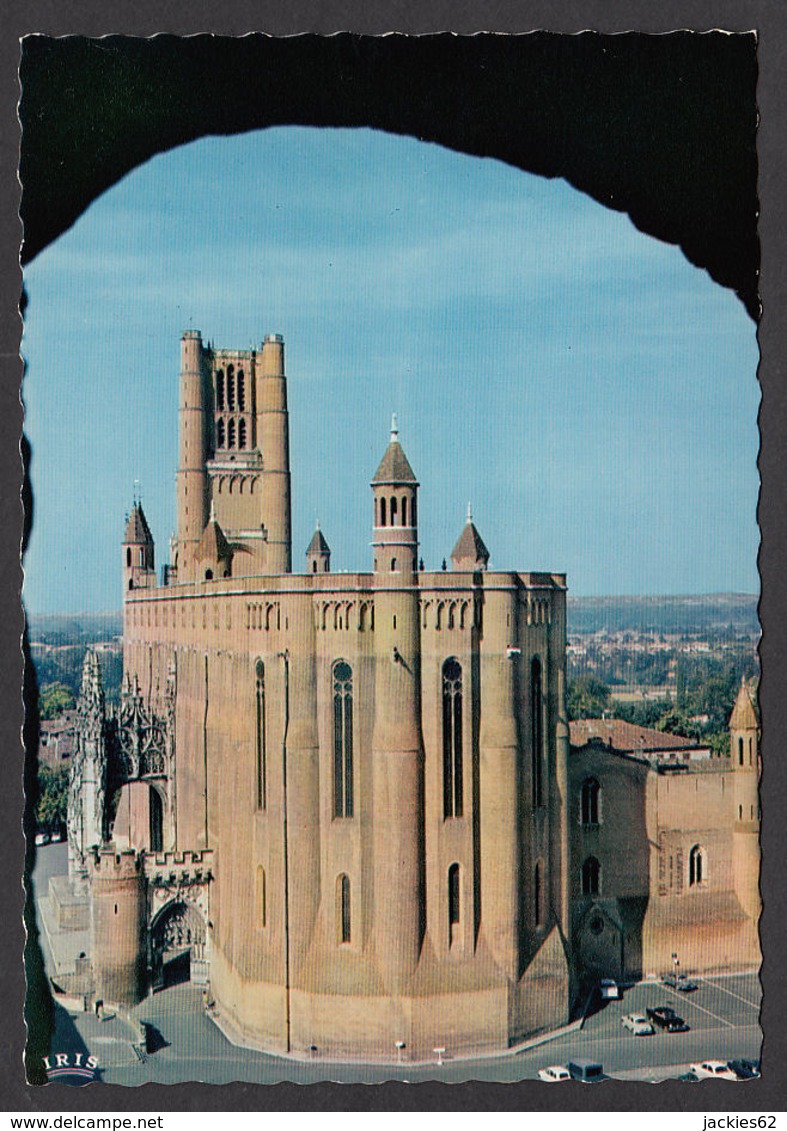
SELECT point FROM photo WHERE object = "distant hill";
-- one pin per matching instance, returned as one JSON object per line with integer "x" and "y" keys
{"x": 689, "y": 615}
{"x": 74, "y": 628}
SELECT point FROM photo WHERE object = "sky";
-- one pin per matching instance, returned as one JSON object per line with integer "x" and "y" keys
{"x": 591, "y": 393}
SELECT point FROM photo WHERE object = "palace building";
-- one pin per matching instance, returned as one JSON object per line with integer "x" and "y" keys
{"x": 348, "y": 799}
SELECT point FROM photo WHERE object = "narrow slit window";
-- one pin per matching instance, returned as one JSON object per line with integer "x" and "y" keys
{"x": 452, "y": 738}
{"x": 261, "y": 751}
{"x": 343, "y": 739}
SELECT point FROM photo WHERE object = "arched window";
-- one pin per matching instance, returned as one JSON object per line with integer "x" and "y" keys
{"x": 696, "y": 865}
{"x": 343, "y": 909}
{"x": 260, "y": 896}
{"x": 141, "y": 558}
{"x": 589, "y": 806}
{"x": 537, "y": 732}
{"x": 231, "y": 438}
{"x": 452, "y": 738}
{"x": 220, "y": 389}
{"x": 241, "y": 383}
{"x": 209, "y": 575}
{"x": 220, "y": 433}
{"x": 740, "y": 812}
{"x": 394, "y": 510}
{"x": 342, "y": 739}
{"x": 404, "y": 511}
{"x": 260, "y": 775}
{"x": 454, "y": 902}
{"x": 314, "y": 566}
{"x": 241, "y": 433}
{"x": 751, "y": 749}
{"x": 412, "y": 512}
{"x": 382, "y": 512}
{"x": 591, "y": 876}
{"x": 156, "y": 815}
{"x": 393, "y": 568}
{"x": 740, "y": 751}
{"x": 538, "y": 894}
{"x": 230, "y": 387}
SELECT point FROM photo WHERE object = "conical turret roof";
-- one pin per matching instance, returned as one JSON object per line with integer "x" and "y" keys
{"x": 744, "y": 713}
{"x": 318, "y": 545}
{"x": 213, "y": 544}
{"x": 470, "y": 546}
{"x": 137, "y": 529}
{"x": 395, "y": 466}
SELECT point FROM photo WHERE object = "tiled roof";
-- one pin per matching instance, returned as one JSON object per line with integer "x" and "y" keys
{"x": 395, "y": 467}
{"x": 744, "y": 713}
{"x": 623, "y": 736}
{"x": 470, "y": 545}
{"x": 318, "y": 545}
{"x": 137, "y": 529}
{"x": 213, "y": 545}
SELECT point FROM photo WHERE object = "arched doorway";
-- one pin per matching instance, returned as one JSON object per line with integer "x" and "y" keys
{"x": 178, "y": 951}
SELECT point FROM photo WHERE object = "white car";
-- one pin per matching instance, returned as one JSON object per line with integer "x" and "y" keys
{"x": 637, "y": 1024}
{"x": 42, "y": 839}
{"x": 554, "y": 1075}
{"x": 713, "y": 1069}
{"x": 608, "y": 988}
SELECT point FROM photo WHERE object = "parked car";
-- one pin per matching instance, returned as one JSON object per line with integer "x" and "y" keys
{"x": 689, "y": 1077}
{"x": 609, "y": 990}
{"x": 745, "y": 1069}
{"x": 42, "y": 838}
{"x": 637, "y": 1024}
{"x": 713, "y": 1070}
{"x": 57, "y": 836}
{"x": 588, "y": 1071}
{"x": 666, "y": 1018}
{"x": 679, "y": 982}
{"x": 555, "y": 1074}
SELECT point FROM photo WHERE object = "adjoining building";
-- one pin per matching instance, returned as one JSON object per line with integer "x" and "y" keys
{"x": 346, "y": 796}
{"x": 665, "y": 849}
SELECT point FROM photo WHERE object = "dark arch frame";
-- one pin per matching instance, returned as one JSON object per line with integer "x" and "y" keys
{"x": 662, "y": 127}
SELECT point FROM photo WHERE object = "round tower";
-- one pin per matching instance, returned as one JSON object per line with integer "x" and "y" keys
{"x": 274, "y": 441}
{"x": 118, "y": 926}
{"x": 744, "y": 758}
{"x": 192, "y": 476}
{"x": 397, "y": 743}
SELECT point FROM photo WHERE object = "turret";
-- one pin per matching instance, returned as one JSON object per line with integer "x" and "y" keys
{"x": 395, "y": 535}
{"x": 744, "y": 757}
{"x": 213, "y": 554}
{"x": 274, "y": 442}
{"x": 118, "y": 923}
{"x": 318, "y": 554}
{"x": 397, "y": 742}
{"x": 469, "y": 553}
{"x": 139, "y": 568}
{"x": 192, "y": 477}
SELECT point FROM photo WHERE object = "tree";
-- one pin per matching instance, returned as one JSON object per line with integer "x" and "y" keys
{"x": 52, "y": 808}
{"x": 53, "y": 699}
{"x": 588, "y": 698}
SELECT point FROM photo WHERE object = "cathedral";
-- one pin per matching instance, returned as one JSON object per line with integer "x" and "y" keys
{"x": 347, "y": 792}
{"x": 351, "y": 800}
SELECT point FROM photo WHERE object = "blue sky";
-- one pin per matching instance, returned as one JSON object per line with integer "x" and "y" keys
{"x": 592, "y": 393}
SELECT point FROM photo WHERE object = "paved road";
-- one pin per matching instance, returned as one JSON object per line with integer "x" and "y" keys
{"x": 723, "y": 1014}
